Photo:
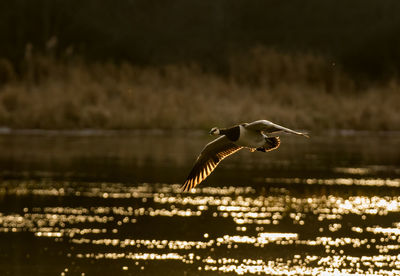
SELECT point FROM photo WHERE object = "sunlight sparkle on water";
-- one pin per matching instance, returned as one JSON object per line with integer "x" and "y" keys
{"x": 321, "y": 233}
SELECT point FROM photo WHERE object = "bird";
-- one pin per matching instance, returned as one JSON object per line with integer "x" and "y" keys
{"x": 252, "y": 136}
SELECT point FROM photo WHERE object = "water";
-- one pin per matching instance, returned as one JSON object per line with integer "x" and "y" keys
{"x": 102, "y": 203}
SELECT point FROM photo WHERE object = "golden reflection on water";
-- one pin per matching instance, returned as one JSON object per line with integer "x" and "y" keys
{"x": 274, "y": 233}
{"x": 374, "y": 182}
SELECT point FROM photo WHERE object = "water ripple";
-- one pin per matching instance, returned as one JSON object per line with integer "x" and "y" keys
{"x": 238, "y": 230}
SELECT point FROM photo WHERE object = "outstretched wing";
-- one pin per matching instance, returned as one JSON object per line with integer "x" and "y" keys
{"x": 208, "y": 160}
{"x": 270, "y": 127}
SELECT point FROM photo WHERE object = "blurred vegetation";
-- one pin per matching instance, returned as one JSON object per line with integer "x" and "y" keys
{"x": 300, "y": 91}
{"x": 191, "y": 64}
{"x": 361, "y": 35}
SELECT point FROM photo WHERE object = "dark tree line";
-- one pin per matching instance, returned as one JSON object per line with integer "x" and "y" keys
{"x": 362, "y": 35}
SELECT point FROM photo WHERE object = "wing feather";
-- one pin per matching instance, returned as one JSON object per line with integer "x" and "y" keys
{"x": 270, "y": 127}
{"x": 209, "y": 158}
{"x": 272, "y": 143}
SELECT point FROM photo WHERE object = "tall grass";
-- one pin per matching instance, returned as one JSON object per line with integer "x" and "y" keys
{"x": 298, "y": 90}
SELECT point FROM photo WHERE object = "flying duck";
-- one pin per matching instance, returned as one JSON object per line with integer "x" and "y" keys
{"x": 247, "y": 135}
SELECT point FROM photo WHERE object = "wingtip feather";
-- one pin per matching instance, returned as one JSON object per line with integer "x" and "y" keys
{"x": 185, "y": 186}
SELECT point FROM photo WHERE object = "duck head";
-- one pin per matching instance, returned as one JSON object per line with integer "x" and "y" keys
{"x": 215, "y": 131}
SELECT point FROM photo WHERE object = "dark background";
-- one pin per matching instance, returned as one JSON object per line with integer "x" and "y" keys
{"x": 363, "y": 36}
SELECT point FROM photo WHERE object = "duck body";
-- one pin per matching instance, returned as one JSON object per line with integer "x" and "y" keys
{"x": 244, "y": 137}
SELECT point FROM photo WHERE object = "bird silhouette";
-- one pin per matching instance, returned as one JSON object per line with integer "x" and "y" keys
{"x": 247, "y": 135}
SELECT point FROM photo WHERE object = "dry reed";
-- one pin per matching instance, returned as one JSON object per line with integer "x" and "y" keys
{"x": 300, "y": 91}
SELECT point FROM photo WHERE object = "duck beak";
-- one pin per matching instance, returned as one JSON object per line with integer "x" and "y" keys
{"x": 210, "y": 132}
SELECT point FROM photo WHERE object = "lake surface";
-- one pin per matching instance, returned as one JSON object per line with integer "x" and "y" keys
{"x": 93, "y": 203}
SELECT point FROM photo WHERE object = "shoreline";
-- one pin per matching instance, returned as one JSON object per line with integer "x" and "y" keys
{"x": 87, "y": 132}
